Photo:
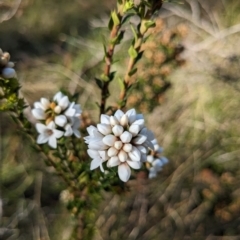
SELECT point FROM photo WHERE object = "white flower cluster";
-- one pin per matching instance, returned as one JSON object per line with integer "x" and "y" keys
{"x": 6, "y": 67}
{"x": 59, "y": 117}
{"x": 155, "y": 162}
{"x": 121, "y": 140}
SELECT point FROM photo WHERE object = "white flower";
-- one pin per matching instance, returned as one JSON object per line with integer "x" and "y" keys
{"x": 122, "y": 140}
{"x": 48, "y": 134}
{"x": 155, "y": 162}
{"x": 64, "y": 113}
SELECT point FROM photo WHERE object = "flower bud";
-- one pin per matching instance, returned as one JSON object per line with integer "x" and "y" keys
{"x": 6, "y": 55}
{"x": 103, "y": 128}
{"x": 57, "y": 109}
{"x": 127, "y": 147}
{"x": 118, "y": 145}
{"x": 117, "y": 130}
{"x": 8, "y": 73}
{"x": 109, "y": 140}
{"x": 126, "y": 137}
{"x": 112, "y": 151}
{"x": 10, "y": 64}
{"x": 122, "y": 156}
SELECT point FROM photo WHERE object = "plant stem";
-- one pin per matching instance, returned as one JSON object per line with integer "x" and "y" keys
{"x": 108, "y": 63}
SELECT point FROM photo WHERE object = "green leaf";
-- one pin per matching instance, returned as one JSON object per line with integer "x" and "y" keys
{"x": 117, "y": 40}
{"x": 132, "y": 52}
{"x": 112, "y": 75}
{"x": 99, "y": 82}
{"x": 134, "y": 33}
{"x": 115, "y": 18}
{"x": 149, "y": 24}
{"x": 105, "y": 50}
{"x": 104, "y": 78}
{"x": 128, "y": 6}
{"x": 132, "y": 72}
{"x": 128, "y": 16}
{"x": 121, "y": 83}
{"x": 110, "y": 24}
{"x": 140, "y": 54}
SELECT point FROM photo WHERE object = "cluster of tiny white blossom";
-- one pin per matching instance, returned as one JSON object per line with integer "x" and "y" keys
{"x": 155, "y": 162}
{"x": 122, "y": 140}
{"x": 59, "y": 117}
{"x": 6, "y": 67}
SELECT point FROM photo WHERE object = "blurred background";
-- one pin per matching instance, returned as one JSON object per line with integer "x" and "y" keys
{"x": 188, "y": 87}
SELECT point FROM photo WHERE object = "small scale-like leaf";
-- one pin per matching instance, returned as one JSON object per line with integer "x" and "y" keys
{"x": 134, "y": 33}
{"x": 121, "y": 83}
{"x": 104, "y": 78}
{"x": 132, "y": 52}
{"x": 115, "y": 18}
{"x": 99, "y": 82}
{"x": 112, "y": 75}
{"x": 150, "y": 24}
{"x": 110, "y": 24}
{"x": 132, "y": 72}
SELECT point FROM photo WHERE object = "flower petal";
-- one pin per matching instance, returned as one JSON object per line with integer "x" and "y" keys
{"x": 41, "y": 127}
{"x": 126, "y": 137}
{"x": 64, "y": 102}
{"x": 68, "y": 130}
{"x": 51, "y": 125}
{"x": 97, "y": 145}
{"x": 95, "y": 163}
{"x": 150, "y": 158}
{"x": 117, "y": 130}
{"x": 103, "y": 128}
{"x": 134, "y": 165}
{"x": 118, "y": 145}
{"x": 57, "y": 133}
{"x": 135, "y": 154}
{"x": 93, "y": 153}
{"x": 164, "y": 160}
{"x": 112, "y": 151}
{"x": 131, "y": 115}
{"x": 127, "y": 147}
{"x": 39, "y": 113}
{"x": 124, "y": 120}
{"x": 76, "y": 133}
{"x": 157, "y": 164}
{"x": 103, "y": 155}
{"x": 45, "y": 103}
{"x": 118, "y": 114}
{"x": 139, "y": 139}
{"x": 139, "y": 122}
{"x": 70, "y": 112}
{"x": 57, "y": 97}
{"x": 60, "y": 120}
{"x": 114, "y": 121}
{"x": 113, "y": 162}
{"x": 105, "y": 119}
{"x": 134, "y": 129}
{"x": 142, "y": 149}
{"x": 52, "y": 142}
{"x": 109, "y": 140}
{"x": 42, "y": 138}
{"x": 124, "y": 172}
{"x": 123, "y": 156}
{"x": 152, "y": 173}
